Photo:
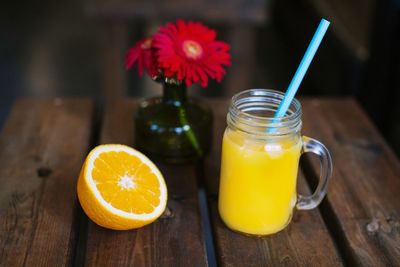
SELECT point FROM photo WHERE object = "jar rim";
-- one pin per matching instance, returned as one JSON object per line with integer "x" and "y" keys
{"x": 268, "y": 99}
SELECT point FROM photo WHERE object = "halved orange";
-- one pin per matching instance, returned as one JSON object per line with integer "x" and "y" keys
{"x": 120, "y": 188}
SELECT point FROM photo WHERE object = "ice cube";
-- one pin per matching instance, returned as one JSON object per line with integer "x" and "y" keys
{"x": 274, "y": 150}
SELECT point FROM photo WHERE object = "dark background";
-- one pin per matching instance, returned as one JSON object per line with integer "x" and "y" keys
{"x": 76, "y": 48}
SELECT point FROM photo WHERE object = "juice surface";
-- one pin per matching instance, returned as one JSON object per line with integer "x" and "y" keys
{"x": 258, "y": 182}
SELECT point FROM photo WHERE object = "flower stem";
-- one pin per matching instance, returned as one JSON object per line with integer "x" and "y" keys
{"x": 189, "y": 133}
{"x": 175, "y": 94}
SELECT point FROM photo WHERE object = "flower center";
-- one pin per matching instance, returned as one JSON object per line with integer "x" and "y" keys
{"x": 147, "y": 44}
{"x": 192, "y": 49}
{"x": 126, "y": 182}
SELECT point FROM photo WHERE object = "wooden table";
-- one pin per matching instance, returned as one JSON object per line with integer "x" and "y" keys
{"x": 44, "y": 142}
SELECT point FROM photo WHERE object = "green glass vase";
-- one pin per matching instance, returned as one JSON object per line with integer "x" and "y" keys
{"x": 173, "y": 128}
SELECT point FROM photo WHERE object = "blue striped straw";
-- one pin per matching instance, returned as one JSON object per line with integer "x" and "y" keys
{"x": 302, "y": 69}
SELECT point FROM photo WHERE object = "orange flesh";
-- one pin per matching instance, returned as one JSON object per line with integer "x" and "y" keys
{"x": 122, "y": 179}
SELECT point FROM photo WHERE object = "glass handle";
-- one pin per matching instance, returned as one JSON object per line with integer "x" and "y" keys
{"x": 316, "y": 147}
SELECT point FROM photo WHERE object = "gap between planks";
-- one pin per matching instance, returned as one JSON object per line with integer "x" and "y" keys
{"x": 329, "y": 217}
{"x": 80, "y": 216}
{"x": 361, "y": 208}
{"x": 38, "y": 158}
{"x": 294, "y": 245}
{"x": 157, "y": 242}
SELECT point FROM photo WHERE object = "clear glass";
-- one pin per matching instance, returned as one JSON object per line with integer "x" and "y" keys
{"x": 260, "y": 158}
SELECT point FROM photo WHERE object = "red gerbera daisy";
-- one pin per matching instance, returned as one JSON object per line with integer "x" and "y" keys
{"x": 189, "y": 52}
{"x": 142, "y": 54}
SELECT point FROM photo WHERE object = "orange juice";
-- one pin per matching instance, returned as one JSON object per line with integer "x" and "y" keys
{"x": 258, "y": 182}
{"x": 260, "y": 157}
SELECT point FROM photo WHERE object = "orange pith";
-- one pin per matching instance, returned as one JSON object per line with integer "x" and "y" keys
{"x": 120, "y": 188}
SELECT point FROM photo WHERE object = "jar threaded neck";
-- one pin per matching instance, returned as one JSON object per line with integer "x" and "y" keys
{"x": 252, "y": 111}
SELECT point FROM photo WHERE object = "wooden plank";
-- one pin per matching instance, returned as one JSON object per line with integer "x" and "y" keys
{"x": 305, "y": 242}
{"x": 363, "y": 207}
{"x": 42, "y": 147}
{"x": 175, "y": 239}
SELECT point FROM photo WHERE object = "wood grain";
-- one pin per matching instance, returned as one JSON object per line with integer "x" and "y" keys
{"x": 42, "y": 147}
{"x": 305, "y": 242}
{"x": 173, "y": 240}
{"x": 363, "y": 207}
